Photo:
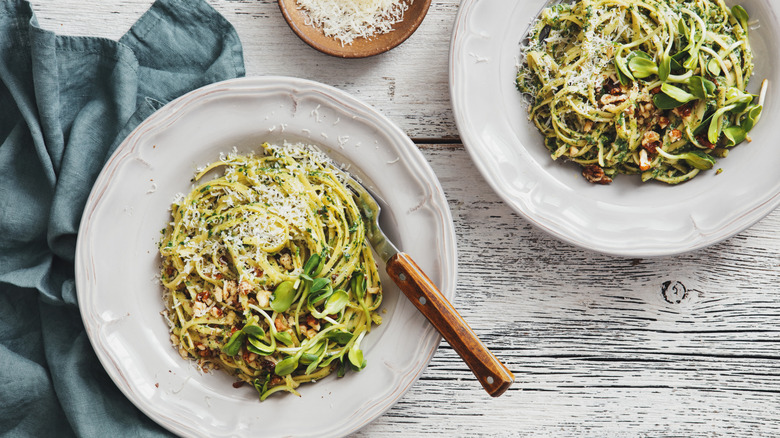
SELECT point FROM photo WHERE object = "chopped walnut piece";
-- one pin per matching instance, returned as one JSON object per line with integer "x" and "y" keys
{"x": 312, "y": 322}
{"x": 263, "y": 298}
{"x": 229, "y": 291}
{"x": 683, "y": 111}
{"x": 245, "y": 287}
{"x": 198, "y": 309}
{"x": 595, "y": 174}
{"x": 610, "y": 99}
{"x": 280, "y": 323}
{"x": 675, "y": 135}
{"x": 649, "y": 138}
{"x": 644, "y": 160}
{"x": 588, "y": 126}
{"x": 646, "y": 110}
{"x": 651, "y": 147}
{"x": 704, "y": 141}
{"x": 286, "y": 261}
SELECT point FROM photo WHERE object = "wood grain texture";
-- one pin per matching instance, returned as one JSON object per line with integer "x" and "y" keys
{"x": 408, "y": 84}
{"x": 598, "y": 345}
{"x": 601, "y": 346}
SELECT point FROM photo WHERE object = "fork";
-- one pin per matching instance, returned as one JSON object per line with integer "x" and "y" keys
{"x": 494, "y": 376}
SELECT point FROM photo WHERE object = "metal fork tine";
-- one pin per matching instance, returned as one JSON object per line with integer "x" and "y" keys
{"x": 370, "y": 209}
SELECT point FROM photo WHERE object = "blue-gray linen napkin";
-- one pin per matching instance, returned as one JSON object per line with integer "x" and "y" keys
{"x": 65, "y": 104}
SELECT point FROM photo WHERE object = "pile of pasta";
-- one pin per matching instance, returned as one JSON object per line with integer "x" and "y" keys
{"x": 653, "y": 87}
{"x": 266, "y": 270}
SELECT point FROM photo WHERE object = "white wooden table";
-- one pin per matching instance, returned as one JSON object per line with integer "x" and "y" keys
{"x": 601, "y": 346}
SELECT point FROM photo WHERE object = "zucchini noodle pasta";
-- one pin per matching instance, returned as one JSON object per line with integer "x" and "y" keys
{"x": 653, "y": 87}
{"x": 266, "y": 270}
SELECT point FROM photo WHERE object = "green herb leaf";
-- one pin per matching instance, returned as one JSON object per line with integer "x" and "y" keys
{"x": 641, "y": 65}
{"x": 623, "y": 74}
{"x": 693, "y": 59}
{"x": 261, "y": 385}
{"x": 357, "y": 284}
{"x": 307, "y": 358}
{"x": 258, "y": 347}
{"x": 682, "y": 29}
{"x": 676, "y": 67}
{"x": 716, "y": 124}
{"x": 355, "y": 356}
{"x": 286, "y": 366}
{"x": 677, "y": 93}
{"x": 336, "y": 302}
{"x": 700, "y": 87}
{"x": 253, "y": 330}
{"x": 665, "y": 68}
{"x": 312, "y": 366}
{"x": 664, "y": 102}
{"x": 233, "y": 345}
{"x": 311, "y": 264}
{"x": 284, "y": 337}
{"x": 698, "y": 159}
{"x": 734, "y": 135}
{"x": 317, "y": 298}
{"x": 319, "y": 284}
{"x": 283, "y": 296}
{"x": 341, "y": 337}
{"x": 734, "y": 95}
{"x": 713, "y": 67}
{"x": 704, "y": 125}
{"x": 751, "y": 118}
{"x": 342, "y": 368}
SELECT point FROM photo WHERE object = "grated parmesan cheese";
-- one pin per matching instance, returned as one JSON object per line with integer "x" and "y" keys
{"x": 346, "y": 20}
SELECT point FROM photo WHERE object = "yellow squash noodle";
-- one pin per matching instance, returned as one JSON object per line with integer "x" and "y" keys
{"x": 266, "y": 270}
{"x": 653, "y": 87}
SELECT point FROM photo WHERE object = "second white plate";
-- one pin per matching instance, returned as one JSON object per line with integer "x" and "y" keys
{"x": 626, "y": 218}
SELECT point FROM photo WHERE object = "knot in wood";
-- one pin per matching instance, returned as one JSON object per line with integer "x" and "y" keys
{"x": 674, "y": 292}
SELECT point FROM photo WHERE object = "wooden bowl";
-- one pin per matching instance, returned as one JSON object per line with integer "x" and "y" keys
{"x": 360, "y": 47}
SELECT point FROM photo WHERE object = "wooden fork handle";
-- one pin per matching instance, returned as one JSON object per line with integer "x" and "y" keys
{"x": 491, "y": 373}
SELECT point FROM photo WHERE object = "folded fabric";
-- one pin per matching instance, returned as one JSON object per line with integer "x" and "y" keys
{"x": 65, "y": 104}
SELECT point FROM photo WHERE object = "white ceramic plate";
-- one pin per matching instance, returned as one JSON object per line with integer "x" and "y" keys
{"x": 117, "y": 263}
{"x": 627, "y": 217}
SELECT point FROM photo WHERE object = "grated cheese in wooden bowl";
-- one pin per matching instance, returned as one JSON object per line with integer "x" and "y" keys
{"x": 346, "y": 20}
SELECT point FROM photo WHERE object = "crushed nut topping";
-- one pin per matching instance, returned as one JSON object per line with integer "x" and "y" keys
{"x": 595, "y": 174}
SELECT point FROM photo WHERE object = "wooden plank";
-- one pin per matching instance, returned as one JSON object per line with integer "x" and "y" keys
{"x": 408, "y": 84}
{"x": 597, "y": 347}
